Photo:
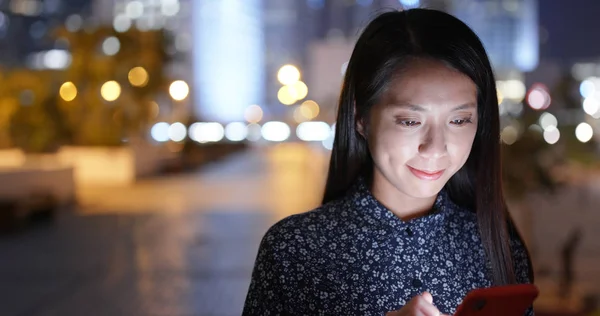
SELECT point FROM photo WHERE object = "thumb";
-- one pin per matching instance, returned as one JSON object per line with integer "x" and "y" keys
{"x": 427, "y": 296}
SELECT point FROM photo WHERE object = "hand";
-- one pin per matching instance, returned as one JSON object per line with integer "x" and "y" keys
{"x": 421, "y": 305}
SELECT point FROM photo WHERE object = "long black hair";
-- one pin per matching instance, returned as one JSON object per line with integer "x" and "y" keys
{"x": 387, "y": 45}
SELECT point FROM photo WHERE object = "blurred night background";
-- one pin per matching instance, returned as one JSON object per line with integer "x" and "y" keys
{"x": 147, "y": 145}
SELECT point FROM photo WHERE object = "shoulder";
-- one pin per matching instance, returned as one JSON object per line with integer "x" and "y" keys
{"x": 305, "y": 228}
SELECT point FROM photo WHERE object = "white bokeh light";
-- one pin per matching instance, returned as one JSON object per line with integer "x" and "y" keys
{"x": 236, "y": 131}
{"x": 551, "y": 135}
{"x": 177, "y": 132}
{"x": 591, "y": 105}
{"x": 121, "y": 23}
{"x": 207, "y": 132}
{"x": 584, "y": 132}
{"x": 160, "y": 131}
{"x": 546, "y": 120}
{"x": 275, "y": 131}
{"x": 313, "y": 131}
{"x": 111, "y": 46}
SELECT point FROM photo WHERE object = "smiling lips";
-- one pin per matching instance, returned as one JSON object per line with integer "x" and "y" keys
{"x": 426, "y": 175}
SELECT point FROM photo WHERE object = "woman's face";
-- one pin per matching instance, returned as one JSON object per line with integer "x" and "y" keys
{"x": 421, "y": 132}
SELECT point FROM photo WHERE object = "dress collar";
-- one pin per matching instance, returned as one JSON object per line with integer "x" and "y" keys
{"x": 367, "y": 205}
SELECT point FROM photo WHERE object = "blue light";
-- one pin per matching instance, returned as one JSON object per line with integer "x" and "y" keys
{"x": 587, "y": 88}
{"x": 409, "y": 3}
{"x": 364, "y": 3}
{"x": 228, "y": 58}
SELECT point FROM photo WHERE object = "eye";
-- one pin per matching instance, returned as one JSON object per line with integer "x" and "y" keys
{"x": 408, "y": 123}
{"x": 461, "y": 121}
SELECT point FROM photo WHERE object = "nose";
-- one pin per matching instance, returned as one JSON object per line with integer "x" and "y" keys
{"x": 433, "y": 144}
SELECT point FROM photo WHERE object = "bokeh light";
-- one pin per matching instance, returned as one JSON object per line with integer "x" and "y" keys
{"x": 138, "y": 77}
{"x": 310, "y": 109}
{"x": 110, "y": 90}
{"x": 111, "y": 46}
{"x": 509, "y": 134}
{"x": 254, "y": 132}
{"x": 275, "y": 131}
{"x": 253, "y": 114}
{"x": 584, "y": 132}
{"x": 551, "y": 135}
{"x": 298, "y": 90}
{"x": 236, "y": 131}
{"x": 179, "y": 90}
{"x": 288, "y": 75}
{"x": 514, "y": 109}
{"x": 134, "y": 9}
{"x": 591, "y": 105}
{"x": 207, "y": 132}
{"x": 313, "y": 131}
{"x": 177, "y": 132}
{"x": 68, "y": 91}
{"x": 160, "y": 131}
{"x": 121, "y": 23}
{"x": 513, "y": 89}
{"x": 301, "y": 114}
{"x": 547, "y": 119}
{"x": 588, "y": 87}
{"x": 538, "y": 97}
{"x": 286, "y": 95}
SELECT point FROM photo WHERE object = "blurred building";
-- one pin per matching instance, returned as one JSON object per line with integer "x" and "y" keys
{"x": 228, "y": 57}
{"x": 26, "y": 29}
{"x": 508, "y": 29}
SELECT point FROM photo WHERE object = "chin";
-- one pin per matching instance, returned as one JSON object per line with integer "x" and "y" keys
{"x": 425, "y": 189}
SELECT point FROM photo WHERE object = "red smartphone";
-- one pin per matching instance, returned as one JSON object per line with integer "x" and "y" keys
{"x": 509, "y": 300}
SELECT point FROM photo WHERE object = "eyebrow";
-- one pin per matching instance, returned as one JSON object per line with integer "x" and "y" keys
{"x": 418, "y": 108}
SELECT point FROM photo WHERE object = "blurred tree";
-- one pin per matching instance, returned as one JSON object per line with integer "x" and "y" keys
{"x": 104, "y": 55}
{"x": 38, "y": 114}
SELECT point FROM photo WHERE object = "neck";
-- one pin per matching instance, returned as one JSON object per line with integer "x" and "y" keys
{"x": 403, "y": 206}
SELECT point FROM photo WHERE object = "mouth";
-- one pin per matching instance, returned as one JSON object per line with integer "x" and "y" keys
{"x": 426, "y": 175}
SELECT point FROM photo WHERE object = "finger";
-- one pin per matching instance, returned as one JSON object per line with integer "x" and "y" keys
{"x": 427, "y": 296}
{"x": 425, "y": 307}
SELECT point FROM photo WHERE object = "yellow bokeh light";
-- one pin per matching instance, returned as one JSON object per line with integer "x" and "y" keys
{"x": 111, "y": 90}
{"x": 179, "y": 90}
{"x": 298, "y": 90}
{"x": 288, "y": 74}
{"x": 287, "y": 96}
{"x": 312, "y": 107}
{"x": 300, "y": 115}
{"x": 68, "y": 91}
{"x": 253, "y": 114}
{"x": 138, "y": 77}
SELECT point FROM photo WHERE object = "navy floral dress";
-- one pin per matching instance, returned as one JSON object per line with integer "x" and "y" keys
{"x": 353, "y": 256}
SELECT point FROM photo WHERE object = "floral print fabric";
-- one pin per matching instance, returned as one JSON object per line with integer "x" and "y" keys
{"x": 353, "y": 256}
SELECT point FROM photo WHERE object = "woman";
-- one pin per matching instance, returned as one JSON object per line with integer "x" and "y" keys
{"x": 413, "y": 215}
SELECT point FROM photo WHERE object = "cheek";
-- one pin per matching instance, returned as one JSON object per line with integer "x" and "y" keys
{"x": 391, "y": 143}
{"x": 459, "y": 145}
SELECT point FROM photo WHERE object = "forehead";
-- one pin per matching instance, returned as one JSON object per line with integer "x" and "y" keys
{"x": 429, "y": 83}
